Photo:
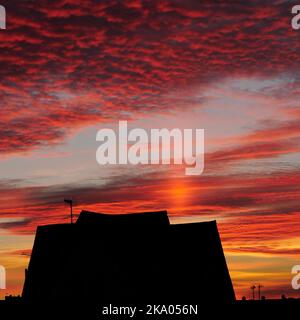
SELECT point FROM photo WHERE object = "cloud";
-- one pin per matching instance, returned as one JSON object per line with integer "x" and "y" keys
{"x": 69, "y": 64}
{"x": 249, "y": 207}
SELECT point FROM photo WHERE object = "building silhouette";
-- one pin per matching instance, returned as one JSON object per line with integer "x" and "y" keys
{"x": 128, "y": 258}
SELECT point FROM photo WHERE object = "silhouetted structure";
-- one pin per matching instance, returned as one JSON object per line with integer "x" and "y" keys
{"x": 128, "y": 258}
{"x": 70, "y": 202}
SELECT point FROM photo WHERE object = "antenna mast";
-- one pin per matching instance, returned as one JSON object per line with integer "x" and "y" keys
{"x": 253, "y": 294}
{"x": 259, "y": 287}
{"x": 70, "y": 202}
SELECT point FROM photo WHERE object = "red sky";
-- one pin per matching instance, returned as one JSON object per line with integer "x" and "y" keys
{"x": 70, "y": 67}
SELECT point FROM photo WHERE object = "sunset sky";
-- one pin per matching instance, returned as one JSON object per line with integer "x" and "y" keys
{"x": 69, "y": 68}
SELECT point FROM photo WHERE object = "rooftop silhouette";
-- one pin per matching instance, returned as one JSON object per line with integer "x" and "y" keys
{"x": 132, "y": 258}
